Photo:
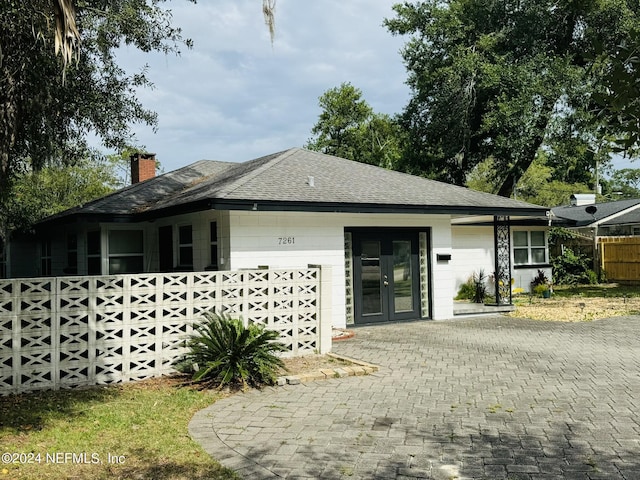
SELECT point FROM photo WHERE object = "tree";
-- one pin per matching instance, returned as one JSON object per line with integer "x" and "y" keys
{"x": 348, "y": 127}
{"x": 618, "y": 103}
{"x": 37, "y": 194}
{"x": 59, "y": 81}
{"x": 493, "y": 79}
{"x": 541, "y": 184}
{"x": 627, "y": 182}
{"x": 48, "y": 110}
{"x": 51, "y": 97}
{"x": 67, "y": 36}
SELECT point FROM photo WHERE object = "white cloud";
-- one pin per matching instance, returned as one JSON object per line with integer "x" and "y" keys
{"x": 236, "y": 96}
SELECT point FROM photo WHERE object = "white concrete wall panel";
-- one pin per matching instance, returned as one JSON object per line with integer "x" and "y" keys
{"x": 294, "y": 239}
{"x": 472, "y": 252}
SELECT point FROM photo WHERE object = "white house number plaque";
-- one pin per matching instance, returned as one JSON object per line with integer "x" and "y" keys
{"x": 282, "y": 241}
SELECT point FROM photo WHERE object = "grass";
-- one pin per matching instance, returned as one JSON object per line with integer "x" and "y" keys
{"x": 137, "y": 430}
{"x": 605, "y": 290}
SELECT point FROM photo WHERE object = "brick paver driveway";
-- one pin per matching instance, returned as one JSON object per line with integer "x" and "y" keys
{"x": 483, "y": 398}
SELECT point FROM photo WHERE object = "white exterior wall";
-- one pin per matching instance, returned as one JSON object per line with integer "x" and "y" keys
{"x": 294, "y": 239}
{"x": 474, "y": 250}
{"x": 248, "y": 239}
{"x": 199, "y": 222}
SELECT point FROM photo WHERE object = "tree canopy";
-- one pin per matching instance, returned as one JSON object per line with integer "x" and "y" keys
{"x": 38, "y": 194}
{"x": 501, "y": 79}
{"x": 349, "y": 128}
{"x": 624, "y": 183}
{"x": 59, "y": 83}
{"x": 48, "y": 110}
{"x": 618, "y": 103}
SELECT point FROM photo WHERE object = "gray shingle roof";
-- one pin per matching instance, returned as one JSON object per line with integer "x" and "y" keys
{"x": 144, "y": 195}
{"x": 626, "y": 218}
{"x": 282, "y": 180}
{"x": 577, "y": 216}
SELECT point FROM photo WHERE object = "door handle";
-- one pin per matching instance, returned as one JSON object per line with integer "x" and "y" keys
{"x": 386, "y": 284}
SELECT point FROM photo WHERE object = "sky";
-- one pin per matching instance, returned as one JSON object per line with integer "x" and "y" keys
{"x": 236, "y": 96}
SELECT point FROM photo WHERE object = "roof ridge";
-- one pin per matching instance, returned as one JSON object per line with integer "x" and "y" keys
{"x": 238, "y": 183}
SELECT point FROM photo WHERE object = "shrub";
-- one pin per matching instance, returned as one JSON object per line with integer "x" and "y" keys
{"x": 474, "y": 289}
{"x": 572, "y": 269}
{"x": 539, "y": 279}
{"x": 223, "y": 351}
{"x": 480, "y": 292}
{"x": 540, "y": 289}
{"x": 466, "y": 290}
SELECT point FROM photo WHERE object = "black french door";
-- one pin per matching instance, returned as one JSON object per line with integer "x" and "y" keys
{"x": 386, "y": 276}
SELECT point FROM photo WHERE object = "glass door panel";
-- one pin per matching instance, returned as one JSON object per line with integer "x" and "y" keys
{"x": 402, "y": 276}
{"x": 386, "y": 275}
{"x": 371, "y": 275}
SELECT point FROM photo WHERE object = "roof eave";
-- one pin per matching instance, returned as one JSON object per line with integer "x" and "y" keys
{"x": 296, "y": 206}
{"x": 76, "y": 218}
{"x": 289, "y": 206}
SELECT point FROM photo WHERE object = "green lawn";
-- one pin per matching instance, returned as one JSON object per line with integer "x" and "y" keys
{"x": 136, "y": 430}
{"x": 602, "y": 290}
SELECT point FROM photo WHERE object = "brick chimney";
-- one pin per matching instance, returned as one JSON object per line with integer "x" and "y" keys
{"x": 143, "y": 167}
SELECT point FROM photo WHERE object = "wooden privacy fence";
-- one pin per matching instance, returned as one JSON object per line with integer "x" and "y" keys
{"x": 620, "y": 258}
{"x": 61, "y": 332}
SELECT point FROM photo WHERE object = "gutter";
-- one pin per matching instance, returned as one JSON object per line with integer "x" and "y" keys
{"x": 293, "y": 206}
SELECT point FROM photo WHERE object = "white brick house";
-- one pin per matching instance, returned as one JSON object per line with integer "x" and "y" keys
{"x": 399, "y": 245}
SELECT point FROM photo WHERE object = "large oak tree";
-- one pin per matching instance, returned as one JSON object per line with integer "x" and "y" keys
{"x": 59, "y": 83}
{"x": 50, "y": 103}
{"x": 499, "y": 78}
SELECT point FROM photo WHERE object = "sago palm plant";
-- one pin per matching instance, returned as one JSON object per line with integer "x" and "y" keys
{"x": 222, "y": 351}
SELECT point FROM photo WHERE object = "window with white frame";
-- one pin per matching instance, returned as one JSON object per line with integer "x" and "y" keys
{"x": 126, "y": 251}
{"x": 529, "y": 247}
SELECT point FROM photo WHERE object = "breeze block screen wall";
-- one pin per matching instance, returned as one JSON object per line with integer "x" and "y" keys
{"x": 63, "y": 332}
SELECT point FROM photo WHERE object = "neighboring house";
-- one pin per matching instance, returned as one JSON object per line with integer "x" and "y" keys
{"x": 399, "y": 245}
{"x": 610, "y": 234}
{"x": 584, "y": 215}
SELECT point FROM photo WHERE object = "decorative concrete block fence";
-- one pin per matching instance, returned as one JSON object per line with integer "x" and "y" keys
{"x": 63, "y": 332}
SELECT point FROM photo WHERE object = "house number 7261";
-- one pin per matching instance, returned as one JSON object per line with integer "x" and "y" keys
{"x": 286, "y": 240}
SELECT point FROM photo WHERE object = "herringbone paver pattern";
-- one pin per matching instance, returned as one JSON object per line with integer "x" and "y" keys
{"x": 484, "y": 398}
